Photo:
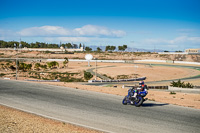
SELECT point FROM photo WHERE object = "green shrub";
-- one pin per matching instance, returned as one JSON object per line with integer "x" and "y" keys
{"x": 68, "y": 79}
{"x": 108, "y": 76}
{"x": 172, "y": 93}
{"x": 87, "y": 75}
{"x": 181, "y": 84}
{"x": 2, "y": 74}
{"x": 122, "y": 76}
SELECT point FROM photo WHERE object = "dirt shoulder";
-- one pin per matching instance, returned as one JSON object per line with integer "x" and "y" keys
{"x": 15, "y": 121}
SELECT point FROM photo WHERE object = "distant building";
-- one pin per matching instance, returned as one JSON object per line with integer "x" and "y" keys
{"x": 187, "y": 51}
{"x": 193, "y": 51}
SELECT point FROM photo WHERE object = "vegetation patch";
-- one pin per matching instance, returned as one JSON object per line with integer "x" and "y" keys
{"x": 122, "y": 76}
{"x": 107, "y": 76}
{"x": 172, "y": 93}
{"x": 87, "y": 75}
{"x": 181, "y": 84}
{"x": 71, "y": 79}
{"x": 2, "y": 74}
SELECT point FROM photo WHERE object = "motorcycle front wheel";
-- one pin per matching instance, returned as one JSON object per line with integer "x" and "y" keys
{"x": 139, "y": 101}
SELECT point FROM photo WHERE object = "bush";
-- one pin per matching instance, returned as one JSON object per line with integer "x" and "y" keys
{"x": 181, "y": 84}
{"x": 172, "y": 93}
{"x": 107, "y": 76}
{"x": 122, "y": 76}
{"x": 2, "y": 74}
{"x": 87, "y": 75}
{"x": 67, "y": 79}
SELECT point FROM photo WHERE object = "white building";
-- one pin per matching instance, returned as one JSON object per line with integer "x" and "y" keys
{"x": 193, "y": 51}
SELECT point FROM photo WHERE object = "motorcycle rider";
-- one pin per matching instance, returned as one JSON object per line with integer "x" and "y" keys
{"x": 142, "y": 87}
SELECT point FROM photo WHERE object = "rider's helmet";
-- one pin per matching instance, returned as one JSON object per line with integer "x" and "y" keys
{"x": 141, "y": 83}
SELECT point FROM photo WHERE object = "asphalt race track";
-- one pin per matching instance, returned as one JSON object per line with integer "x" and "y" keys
{"x": 97, "y": 110}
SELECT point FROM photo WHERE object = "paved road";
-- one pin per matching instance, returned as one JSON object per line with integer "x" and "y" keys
{"x": 100, "y": 111}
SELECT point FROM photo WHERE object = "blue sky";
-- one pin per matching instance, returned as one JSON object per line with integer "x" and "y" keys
{"x": 161, "y": 24}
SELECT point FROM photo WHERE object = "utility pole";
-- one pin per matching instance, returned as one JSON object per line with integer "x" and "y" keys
{"x": 96, "y": 69}
{"x": 15, "y": 48}
{"x": 16, "y": 68}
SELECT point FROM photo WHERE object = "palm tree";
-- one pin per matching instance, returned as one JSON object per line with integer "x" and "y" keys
{"x": 65, "y": 62}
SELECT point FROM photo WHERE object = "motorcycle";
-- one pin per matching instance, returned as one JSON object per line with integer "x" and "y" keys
{"x": 138, "y": 100}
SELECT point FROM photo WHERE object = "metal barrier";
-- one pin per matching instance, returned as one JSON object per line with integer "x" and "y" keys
{"x": 149, "y": 87}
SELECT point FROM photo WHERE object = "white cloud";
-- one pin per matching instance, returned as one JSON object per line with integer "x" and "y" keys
{"x": 177, "y": 40}
{"x": 186, "y": 30}
{"x": 67, "y": 39}
{"x": 45, "y": 31}
{"x": 180, "y": 42}
{"x": 87, "y": 30}
{"x": 93, "y": 30}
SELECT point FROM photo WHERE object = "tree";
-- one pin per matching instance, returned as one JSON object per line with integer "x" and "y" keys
{"x": 125, "y": 47}
{"x": 63, "y": 45}
{"x": 99, "y": 49}
{"x": 107, "y": 48}
{"x": 68, "y": 45}
{"x": 112, "y": 48}
{"x": 88, "y": 49}
{"x": 80, "y": 45}
{"x": 122, "y": 48}
{"x": 65, "y": 61}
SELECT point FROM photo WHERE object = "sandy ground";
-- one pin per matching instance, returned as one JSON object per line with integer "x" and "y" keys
{"x": 15, "y": 121}
{"x": 153, "y": 73}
